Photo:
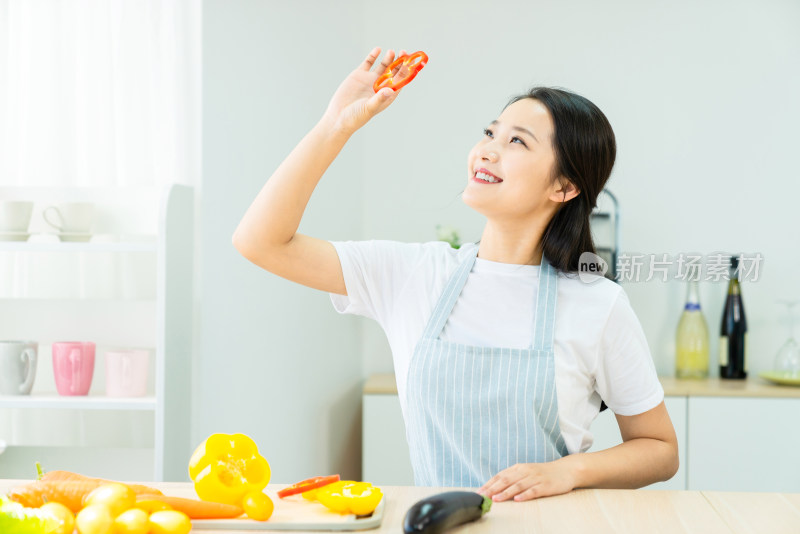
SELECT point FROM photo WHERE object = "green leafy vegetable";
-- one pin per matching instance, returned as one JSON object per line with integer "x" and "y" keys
{"x": 16, "y": 519}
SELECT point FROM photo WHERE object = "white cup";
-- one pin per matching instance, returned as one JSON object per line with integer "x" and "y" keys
{"x": 70, "y": 217}
{"x": 17, "y": 367}
{"x": 15, "y": 216}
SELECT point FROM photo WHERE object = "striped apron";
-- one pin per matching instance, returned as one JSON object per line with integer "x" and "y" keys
{"x": 474, "y": 411}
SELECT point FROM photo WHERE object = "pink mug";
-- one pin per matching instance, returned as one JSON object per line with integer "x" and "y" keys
{"x": 126, "y": 373}
{"x": 73, "y": 366}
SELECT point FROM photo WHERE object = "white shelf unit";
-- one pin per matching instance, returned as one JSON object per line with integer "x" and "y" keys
{"x": 12, "y": 246}
{"x": 171, "y": 402}
{"x": 89, "y": 402}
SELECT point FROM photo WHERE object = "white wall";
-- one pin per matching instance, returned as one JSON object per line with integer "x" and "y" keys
{"x": 276, "y": 361}
{"x": 702, "y": 99}
{"x": 701, "y": 95}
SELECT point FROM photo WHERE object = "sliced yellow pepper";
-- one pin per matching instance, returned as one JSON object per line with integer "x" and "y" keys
{"x": 311, "y": 495}
{"x": 227, "y": 466}
{"x": 350, "y": 497}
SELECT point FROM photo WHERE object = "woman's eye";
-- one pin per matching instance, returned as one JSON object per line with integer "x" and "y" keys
{"x": 487, "y": 131}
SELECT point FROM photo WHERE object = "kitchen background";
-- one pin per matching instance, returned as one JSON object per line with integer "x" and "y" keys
{"x": 702, "y": 97}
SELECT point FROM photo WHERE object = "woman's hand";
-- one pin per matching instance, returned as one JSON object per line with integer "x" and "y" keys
{"x": 530, "y": 481}
{"x": 648, "y": 453}
{"x": 355, "y": 101}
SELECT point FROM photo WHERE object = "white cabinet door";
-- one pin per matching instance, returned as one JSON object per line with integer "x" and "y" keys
{"x": 606, "y": 435}
{"x": 744, "y": 444}
{"x": 385, "y": 459}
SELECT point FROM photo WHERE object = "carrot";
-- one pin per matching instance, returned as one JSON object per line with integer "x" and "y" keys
{"x": 70, "y": 493}
{"x": 68, "y": 475}
{"x": 196, "y": 509}
{"x": 70, "y": 489}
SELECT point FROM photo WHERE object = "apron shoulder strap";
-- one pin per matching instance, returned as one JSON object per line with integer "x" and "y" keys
{"x": 545, "y": 312}
{"x": 447, "y": 300}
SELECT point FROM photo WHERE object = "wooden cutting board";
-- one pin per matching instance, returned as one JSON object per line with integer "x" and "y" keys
{"x": 296, "y": 513}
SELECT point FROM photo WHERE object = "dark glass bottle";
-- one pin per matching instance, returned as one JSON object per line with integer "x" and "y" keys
{"x": 733, "y": 333}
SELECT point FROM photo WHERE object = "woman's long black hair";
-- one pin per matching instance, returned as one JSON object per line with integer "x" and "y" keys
{"x": 585, "y": 149}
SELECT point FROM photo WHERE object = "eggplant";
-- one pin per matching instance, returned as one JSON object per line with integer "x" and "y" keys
{"x": 444, "y": 511}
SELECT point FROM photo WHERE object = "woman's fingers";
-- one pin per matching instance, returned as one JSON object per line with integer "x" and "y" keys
{"x": 404, "y": 71}
{"x": 373, "y": 55}
{"x": 387, "y": 60}
{"x": 379, "y": 101}
{"x": 495, "y": 485}
{"x": 370, "y": 60}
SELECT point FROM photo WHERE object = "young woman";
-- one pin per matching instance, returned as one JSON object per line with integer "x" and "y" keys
{"x": 502, "y": 354}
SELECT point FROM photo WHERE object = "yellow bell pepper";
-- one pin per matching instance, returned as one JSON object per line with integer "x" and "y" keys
{"x": 350, "y": 497}
{"x": 225, "y": 467}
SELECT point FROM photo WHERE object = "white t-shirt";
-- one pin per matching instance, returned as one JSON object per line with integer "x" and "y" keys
{"x": 600, "y": 348}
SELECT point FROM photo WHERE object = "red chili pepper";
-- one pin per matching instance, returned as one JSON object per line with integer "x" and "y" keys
{"x": 413, "y": 63}
{"x": 307, "y": 485}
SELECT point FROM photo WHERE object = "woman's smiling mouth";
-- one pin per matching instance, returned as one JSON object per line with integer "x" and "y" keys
{"x": 483, "y": 176}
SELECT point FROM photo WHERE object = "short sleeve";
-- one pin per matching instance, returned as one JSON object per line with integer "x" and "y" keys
{"x": 626, "y": 377}
{"x": 375, "y": 273}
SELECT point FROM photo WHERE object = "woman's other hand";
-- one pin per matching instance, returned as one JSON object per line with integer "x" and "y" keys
{"x": 522, "y": 482}
{"x": 355, "y": 101}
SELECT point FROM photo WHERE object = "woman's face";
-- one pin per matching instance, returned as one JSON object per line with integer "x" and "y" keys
{"x": 515, "y": 149}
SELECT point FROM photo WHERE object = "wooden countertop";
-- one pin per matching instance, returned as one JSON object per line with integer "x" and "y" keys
{"x": 384, "y": 384}
{"x": 596, "y": 511}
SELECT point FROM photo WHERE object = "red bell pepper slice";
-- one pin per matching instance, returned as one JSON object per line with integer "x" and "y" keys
{"x": 308, "y": 485}
{"x": 413, "y": 63}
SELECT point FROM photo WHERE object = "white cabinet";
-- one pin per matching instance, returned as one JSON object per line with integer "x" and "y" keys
{"x": 727, "y": 443}
{"x": 744, "y": 444}
{"x": 386, "y": 459}
{"x": 606, "y": 435}
{"x": 132, "y": 438}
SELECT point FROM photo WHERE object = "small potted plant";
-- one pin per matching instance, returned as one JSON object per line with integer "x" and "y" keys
{"x": 449, "y": 234}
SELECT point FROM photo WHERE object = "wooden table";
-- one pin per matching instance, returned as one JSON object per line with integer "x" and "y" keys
{"x": 597, "y": 511}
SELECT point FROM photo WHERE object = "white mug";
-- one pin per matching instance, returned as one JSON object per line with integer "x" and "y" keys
{"x": 17, "y": 367}
{"x": 15, "y": 216}
{"x": 70, "y": 217}
{"x": 126, "y": 372}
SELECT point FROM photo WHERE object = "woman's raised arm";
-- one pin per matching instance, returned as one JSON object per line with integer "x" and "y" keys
{"x": 267, "y": 234}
